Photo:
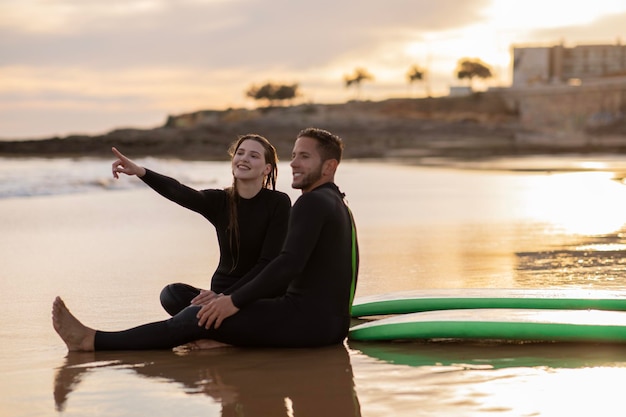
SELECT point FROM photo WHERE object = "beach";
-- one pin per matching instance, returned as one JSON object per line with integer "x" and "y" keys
{"x": 108, "y": 251}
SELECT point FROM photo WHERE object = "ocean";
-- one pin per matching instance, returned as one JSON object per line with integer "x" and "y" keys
{"x": 108, "y": 246}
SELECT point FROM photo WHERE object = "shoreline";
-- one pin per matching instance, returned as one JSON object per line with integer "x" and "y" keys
{"x": 454, "y": 150}
{"x": 477, "y": 127}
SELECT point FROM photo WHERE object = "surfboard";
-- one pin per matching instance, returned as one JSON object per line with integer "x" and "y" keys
{"x": 496, "y": 324}
{"x": 453, "y": 299}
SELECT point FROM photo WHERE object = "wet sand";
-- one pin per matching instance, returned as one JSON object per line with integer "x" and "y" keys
{"x": 109, "y": 253}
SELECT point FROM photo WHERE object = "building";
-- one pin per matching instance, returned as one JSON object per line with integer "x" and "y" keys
{"x": 460, "y": 91}
{"x": 563, "y": 65}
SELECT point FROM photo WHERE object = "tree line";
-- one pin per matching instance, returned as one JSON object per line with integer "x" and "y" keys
{"x": 273, "y": 93}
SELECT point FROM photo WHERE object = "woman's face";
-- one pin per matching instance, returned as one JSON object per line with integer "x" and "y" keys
{"x": 248, "y": 163}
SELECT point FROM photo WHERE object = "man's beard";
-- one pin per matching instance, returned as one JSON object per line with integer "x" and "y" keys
{"x": 307, "y": 180}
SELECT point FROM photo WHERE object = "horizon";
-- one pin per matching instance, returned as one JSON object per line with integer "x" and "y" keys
{"x": 88, "y": 67}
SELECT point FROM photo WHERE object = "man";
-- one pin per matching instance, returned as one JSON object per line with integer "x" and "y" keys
{"x": 318, "y": 264}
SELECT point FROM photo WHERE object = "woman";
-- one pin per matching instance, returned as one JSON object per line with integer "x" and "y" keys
{"x": 250, "y": 217}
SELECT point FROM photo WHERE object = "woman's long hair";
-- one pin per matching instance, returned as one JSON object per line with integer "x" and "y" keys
{"x": 271, "y": 157}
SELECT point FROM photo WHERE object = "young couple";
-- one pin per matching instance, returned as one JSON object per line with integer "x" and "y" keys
{"x": 286, "y": 277}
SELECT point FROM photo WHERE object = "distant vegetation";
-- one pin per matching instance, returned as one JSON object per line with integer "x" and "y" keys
{"x": 415, "y": 74}
{"x": 467, "y": 68}
{"x": 471, "y": 68}
{"x": 273, "y": 93}
{"x": 359, "y": 75}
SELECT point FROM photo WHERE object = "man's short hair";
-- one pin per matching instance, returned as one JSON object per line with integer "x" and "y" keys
{"x": 330, "y": 146}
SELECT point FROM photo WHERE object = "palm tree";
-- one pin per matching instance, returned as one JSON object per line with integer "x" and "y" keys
{"x": 360, "y": 74}
{"x": 415, "y": 73}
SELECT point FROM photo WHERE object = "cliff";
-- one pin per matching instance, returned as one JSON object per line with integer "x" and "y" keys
{"x": 476, "y": 126}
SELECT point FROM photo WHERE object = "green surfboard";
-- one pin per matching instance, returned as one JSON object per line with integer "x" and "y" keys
{"x": 453, "y": 299}
{"x": 496, "y": 324}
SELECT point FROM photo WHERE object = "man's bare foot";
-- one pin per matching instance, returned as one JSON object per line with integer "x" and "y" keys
{"x": 76, "y": 335}
{"x": 202, "y": 344}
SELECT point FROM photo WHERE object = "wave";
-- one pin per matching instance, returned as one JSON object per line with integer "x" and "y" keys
{"x": 31, "y": 177}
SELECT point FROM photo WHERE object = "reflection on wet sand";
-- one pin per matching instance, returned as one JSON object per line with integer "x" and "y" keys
{"x": 264, "y": 382}
{"x": 485, "y": 355}
{"x": 581, "y": 261}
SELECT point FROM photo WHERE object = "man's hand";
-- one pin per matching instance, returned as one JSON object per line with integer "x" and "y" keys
{"x": 203, "y": 298}
{"x": 216, "y": 311}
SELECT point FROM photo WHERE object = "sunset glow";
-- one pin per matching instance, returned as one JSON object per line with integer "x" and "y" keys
{"x": 586, "y": 203}
{"x": 92, "y": 66}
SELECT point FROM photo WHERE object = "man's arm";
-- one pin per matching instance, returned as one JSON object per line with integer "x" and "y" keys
{"x": 305, "y": 223}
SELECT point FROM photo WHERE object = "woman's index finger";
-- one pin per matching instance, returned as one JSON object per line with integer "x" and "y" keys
{"x": 117, "y": 153}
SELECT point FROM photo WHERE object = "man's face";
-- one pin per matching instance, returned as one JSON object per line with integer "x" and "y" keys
{"x": 306, "y": 165}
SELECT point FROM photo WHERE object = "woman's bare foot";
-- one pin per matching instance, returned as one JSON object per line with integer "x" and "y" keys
{"x": 76, "y": 335}
{"x": 202, "y": 344}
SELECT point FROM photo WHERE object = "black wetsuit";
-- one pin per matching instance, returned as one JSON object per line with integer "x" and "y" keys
{"x": 319, "y": 262}
{"x": 262, "y": 228}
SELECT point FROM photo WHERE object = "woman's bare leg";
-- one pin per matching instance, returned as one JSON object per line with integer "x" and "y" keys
{"x": 76, "y": 335}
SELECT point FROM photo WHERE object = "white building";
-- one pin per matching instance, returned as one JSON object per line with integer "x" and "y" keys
{"x": 562, "y": 65}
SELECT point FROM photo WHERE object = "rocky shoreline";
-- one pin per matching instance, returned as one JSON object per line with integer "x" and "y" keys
{"x": 475, "y": 127}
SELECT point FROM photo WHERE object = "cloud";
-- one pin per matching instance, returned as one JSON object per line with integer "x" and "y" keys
{"x": 150, "y": 58}
{"x": 219, "y": 34}
{"x": 606, "y": 29}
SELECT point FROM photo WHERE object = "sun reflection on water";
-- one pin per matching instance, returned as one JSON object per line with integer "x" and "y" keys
{"x": 583, "y": 203}
{"x": 477, "y": 228}
{"x": 553, "y": 392}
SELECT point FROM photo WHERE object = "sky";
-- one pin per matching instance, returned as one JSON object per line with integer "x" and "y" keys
{"x": 91, "y": 66}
